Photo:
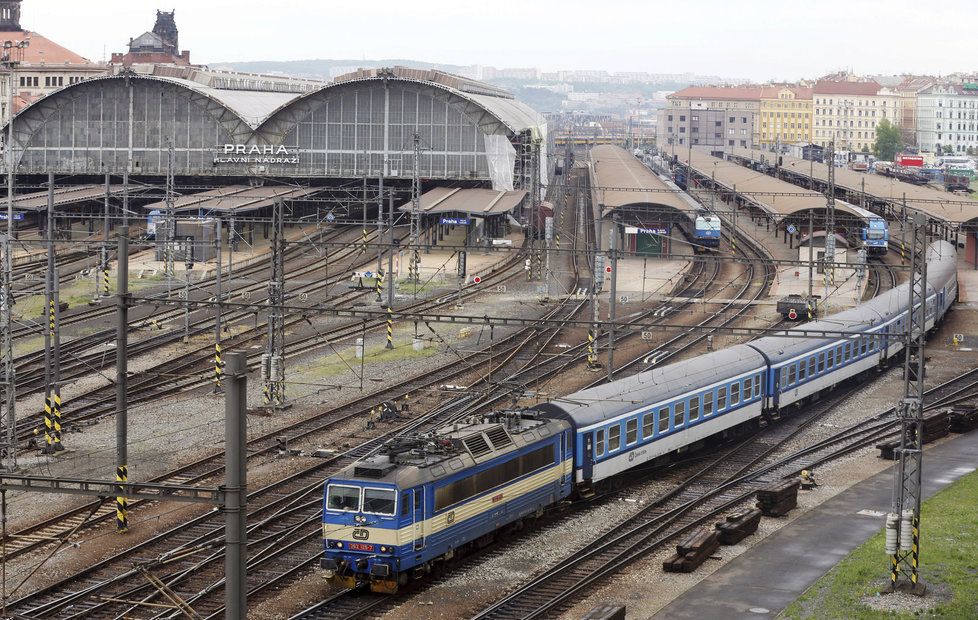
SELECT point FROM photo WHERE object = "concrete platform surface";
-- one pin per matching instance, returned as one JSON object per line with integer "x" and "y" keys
{"x": 771, "y": 575}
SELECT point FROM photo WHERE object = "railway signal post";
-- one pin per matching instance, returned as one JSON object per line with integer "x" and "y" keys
{"x": 903, "y": 522}
{"x": 121, "y": 378}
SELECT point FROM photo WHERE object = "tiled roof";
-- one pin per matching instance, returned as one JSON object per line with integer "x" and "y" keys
{"x": 771, "y": 92}
{"x": 43, "y": 50}
{"x": 740, "y": 93}
{"x": 831, "y": 87}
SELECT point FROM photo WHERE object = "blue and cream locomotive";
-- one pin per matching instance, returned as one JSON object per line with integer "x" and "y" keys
{"x": 425, "y": 499}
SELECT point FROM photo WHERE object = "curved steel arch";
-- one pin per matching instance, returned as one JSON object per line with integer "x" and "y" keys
{"x": 279, "y": 123}
{"x": 31, "y": 119}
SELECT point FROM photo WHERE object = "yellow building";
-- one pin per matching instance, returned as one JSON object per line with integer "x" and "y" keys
{"x": 785, "y": 115}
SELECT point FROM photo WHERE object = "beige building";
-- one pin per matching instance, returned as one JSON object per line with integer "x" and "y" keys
{"x": 908, "y": 91}
{"x": 849, "y": 112}
{"x": 41, "y": 67}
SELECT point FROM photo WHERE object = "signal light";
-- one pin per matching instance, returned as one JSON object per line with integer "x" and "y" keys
{"x": 792, "y": 314}
{"x": 477, "y": 280}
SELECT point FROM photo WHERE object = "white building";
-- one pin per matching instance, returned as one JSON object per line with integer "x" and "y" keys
{"x": 946, "y": 116}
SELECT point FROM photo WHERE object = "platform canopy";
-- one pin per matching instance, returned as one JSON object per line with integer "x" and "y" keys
{"x": 476, "y": 202}
{"x": 778, "y": 198}
{"x": 936, "y": 204}
{"x": 233, "y": 199}
{"x": 67, "y": 196}
{"x": 621, "y": 180}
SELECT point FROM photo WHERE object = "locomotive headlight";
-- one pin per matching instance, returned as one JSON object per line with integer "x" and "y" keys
{"x": 360, "y": 518}
{"x": 384, "y": 549}
{"x": 339, "y": 545}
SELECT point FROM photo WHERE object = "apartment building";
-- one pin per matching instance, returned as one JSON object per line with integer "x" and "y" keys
{"x": 849, "y": 111}
{"x": 785, "y": 115}
{"x": 946, "y": 117}
{"x": 715, "y": 116}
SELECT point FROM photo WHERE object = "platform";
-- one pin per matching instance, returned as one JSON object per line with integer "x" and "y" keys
{"x": 768, "y": 577}
{"x": 439, "y": 263}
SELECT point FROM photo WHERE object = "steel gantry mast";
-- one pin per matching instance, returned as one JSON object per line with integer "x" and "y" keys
{"x": 903, "y": 522}
{"x": 414, "y": 270}
{"x": 829, "y": 257}
{"x": 273, "y": 360}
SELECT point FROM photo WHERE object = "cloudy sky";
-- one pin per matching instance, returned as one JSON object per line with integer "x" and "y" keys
{"x": 759, "y": 39}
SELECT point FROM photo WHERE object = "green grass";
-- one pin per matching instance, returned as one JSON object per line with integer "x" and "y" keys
{"x": 949, "y": 563}
{"x": 331, "y": 366}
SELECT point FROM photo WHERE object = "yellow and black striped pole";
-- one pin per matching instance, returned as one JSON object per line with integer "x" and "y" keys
{"x": 105, "y": 279}
{"x": 56, "y": 400}
{"x": 218, "y": 366}
{"x": 48, "y": 440}
{"x": 121, "y": 503}
{"x": 592, "y": 353}
{"x": 379, "y": 285}
{"x": 390, "y": 328}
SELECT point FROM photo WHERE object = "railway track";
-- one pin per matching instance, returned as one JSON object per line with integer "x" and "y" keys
{"x": 304, "y": 491}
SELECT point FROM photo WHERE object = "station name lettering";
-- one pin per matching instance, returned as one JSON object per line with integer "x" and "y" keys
{"x": 255, "y": 154}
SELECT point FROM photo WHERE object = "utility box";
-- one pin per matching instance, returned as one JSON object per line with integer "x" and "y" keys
{"x": 194, "y": 239}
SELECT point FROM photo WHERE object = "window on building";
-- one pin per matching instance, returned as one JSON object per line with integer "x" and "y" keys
{"x": 719, "y": 124}
{"x": 733, "y": 119}
{"x": 669, "y": 117}
{"x": 682, "y": 118}
{"x": 695, "y": 118}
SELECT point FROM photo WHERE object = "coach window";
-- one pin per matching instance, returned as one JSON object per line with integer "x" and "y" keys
{"x": 791, "y": 374}
{"x": 866, "y": 344}
{"x": 801, "y": 371}
{"x": 599, "y": 443}
{"x": 748, "y": 386}
{"x": 784, "y": 378}
{"x": 694, "y": 408}
{"x": 631, "y": 431}
{"x": 663, "y": 420}
{"x": 830, "y": 357}
{"x": 821, "y": 362}
{"x": 757, "y": 386}
{"x": 721, "y": 399}
{"x": 734, "y": 394}
{"x": 708, "y": 404}
{"x": 679, "y": 417}
{"x": 648, "y": 426}
{"x": 614, "y": 438}
{"x": 811, "y": 367}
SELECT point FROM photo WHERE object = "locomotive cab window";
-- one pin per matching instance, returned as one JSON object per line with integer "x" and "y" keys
{"x": 343, "y": 498}
{"x": 614, "y": 438}
{"x": 631, "y": 431}
{"x": 379, "y": 501}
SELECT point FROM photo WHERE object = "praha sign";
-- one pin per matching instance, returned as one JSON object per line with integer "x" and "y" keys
{"x": 255, "y": 154}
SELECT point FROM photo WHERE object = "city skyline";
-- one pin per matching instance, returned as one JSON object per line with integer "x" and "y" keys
{"x": 703, "y": 37}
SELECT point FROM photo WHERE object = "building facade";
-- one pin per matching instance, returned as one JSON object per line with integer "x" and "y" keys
{"x": 908, "y": 91}
{"x": 161, "y": 45}
{"x": 714, "y": 116}
{"x": 785, "y": 115}
{"x": 947, "y": 116}
{"x": 848, "y": 112}
{"x": 41, "y": 67}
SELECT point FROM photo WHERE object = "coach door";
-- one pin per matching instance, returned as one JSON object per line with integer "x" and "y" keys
{"x": 418, "y": 518}
{"x": 588, "y": 460}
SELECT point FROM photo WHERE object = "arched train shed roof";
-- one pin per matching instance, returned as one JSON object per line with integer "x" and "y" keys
{"x": 621, "y": 180}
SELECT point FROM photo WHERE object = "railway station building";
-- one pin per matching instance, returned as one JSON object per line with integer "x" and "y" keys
{"x": 211, "y": 129}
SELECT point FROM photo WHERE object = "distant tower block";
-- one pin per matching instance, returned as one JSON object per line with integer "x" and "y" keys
{"x": 10, "y": 15}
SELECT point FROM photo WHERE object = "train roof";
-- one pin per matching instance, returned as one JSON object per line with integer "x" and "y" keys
{"x": 941, "y": 263}
{"x": 412, "y": 460}
{"x": 610, "y": 400}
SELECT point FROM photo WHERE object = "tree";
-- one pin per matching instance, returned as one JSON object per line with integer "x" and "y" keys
{"x": 889, "y": 140}
{"x": 948, "y": 149}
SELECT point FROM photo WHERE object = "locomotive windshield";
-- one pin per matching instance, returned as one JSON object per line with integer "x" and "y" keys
{"x": 379, "y": 501}
{"x": 341, "y": 497}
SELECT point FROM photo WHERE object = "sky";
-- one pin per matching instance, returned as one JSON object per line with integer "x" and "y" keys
{"x": 756, "y": 39}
